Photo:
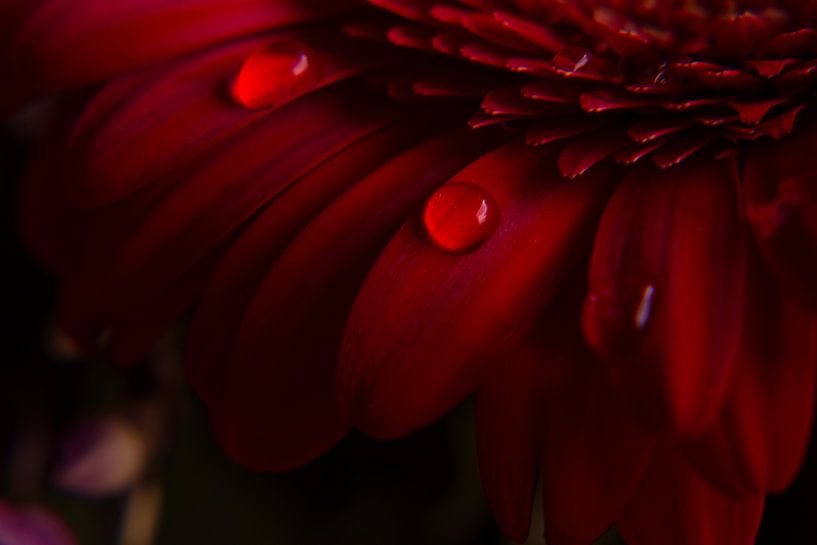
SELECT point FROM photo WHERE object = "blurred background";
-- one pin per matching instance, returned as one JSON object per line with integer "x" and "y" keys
{"x": 93, "y": 454}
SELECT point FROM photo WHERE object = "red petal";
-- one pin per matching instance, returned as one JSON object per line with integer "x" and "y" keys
{"x": 594, "y": 451}
{"x": 85, "y": 295}
{"x": 59, "y": 46}
{"x": 225, "y": 190}
{"x": 134, "y": 333}
{"x": 278, "y": 408}
{"x": 764, "y": 429}
{"x": 594, "y": 456}
{"x": 781, "y": 200}
{"x": 427, "y": 322}
{"x": 174, "y": 114}
{"x": 509, "y": 424}
{"x": 147, "y": 242}
{"x": 667, "y": 291}
{"x": 51, "y": 228}
{"x": 219, "y": 313}
{"x": 676, "y": 506}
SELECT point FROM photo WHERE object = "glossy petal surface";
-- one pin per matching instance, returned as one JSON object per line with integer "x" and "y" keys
{"x": 667, "y": 291}
{"x": 426, "y": 324}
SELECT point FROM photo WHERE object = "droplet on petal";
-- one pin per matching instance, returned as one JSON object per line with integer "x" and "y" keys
{"x": 460, "y": 216}
{"x": 614, "y": 319}
{"x": 276, "y": 74}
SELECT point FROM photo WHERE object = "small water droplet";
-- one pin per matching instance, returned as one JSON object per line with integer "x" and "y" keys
{"x": 614, "y": 319}
{"x": 572, "y": 59}
{"x": 276, "y": 74}
{"x": 581, "y": 62}
{"x": 460, "y": 216}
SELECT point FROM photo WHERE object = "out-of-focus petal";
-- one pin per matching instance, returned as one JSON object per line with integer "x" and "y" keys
{"x": 53, "y": 229}
{"x": 175, "y": 113}
{"x": 133, "y": 333}
{"x": 428, "y": 322}
{"x": 509, "y": 424}
{"x": 668, "y": 289}
{"x": 197, "y": 207}
{"x": 219, "y": 313}
{"x": 100, "y": 457}
{"x": 761, "y": 437}
{"x": 780, "y": 179}
{"x": 676, "y": 506}
{"x": 32, "y": 526}
{"x": 552, "y": 408}
{"x": 68, "y": 43}
{"x": 595, "y": 450}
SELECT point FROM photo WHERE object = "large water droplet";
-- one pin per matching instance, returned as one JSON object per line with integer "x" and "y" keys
{"x": 460, "y": 216}
{"x": 614, "y": 319}
{"x": 276, "y": 74}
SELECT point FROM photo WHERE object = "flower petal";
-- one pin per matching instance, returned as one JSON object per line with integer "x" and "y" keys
{"x": 227, "y": 189}
{"x": 551, "y": 405}
{"x": 279, "y": 407}
{"x": 427, "y": 322}
{"x": 221, "y": 309}
{"x": 135, "y": 332}
{"x": 781, "y": 200}
{"x": 509, "y": 423}
{"x": 52, "y": 229}
{"x": 676, "y": 506}
{"x": 59, "y": 46}
{"x": 762, "y": 434}
{"x": 32, "y": 526}
{"x": 667, "y": 291}
{"x": 595, "y": 450}
{"x": 174, "y": 114}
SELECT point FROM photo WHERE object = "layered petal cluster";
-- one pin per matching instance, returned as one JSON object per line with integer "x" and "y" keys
{"x": 598, "y": 216}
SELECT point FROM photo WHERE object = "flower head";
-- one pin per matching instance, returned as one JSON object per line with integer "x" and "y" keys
{"x": 375, "y": 209}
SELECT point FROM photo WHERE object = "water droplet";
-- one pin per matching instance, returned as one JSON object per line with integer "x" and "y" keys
{"x": 460, "y": 216}
{"x": 572, "y": 59}
{"x": 276, "y": 74}
{"x": 581, "y": 62}
{"x": 614, "y": 319}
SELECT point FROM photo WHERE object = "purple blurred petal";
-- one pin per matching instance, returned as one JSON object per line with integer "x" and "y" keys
{"x": 101, "y": 457}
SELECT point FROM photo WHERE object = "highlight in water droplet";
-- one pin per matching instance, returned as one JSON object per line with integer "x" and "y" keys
{"x": 614, "y": 319}
{"x": 460, "y": 216}
{"x": 276, "y": 74}
{"x": 572, "y": 59}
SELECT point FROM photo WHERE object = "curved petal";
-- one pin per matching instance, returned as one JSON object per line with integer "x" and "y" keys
{"x": 279, "y": 407}
{"x": 427, "y": 322}
{"x": 32, "y": 526}
{"x": 762, "y": 435}
{"x": 781, "y": 201}
{"x": 676, "y": 506}
{"x": 59, "y": 45}
{"x": 84, "y": 305}
{"x": 174, "y": 114}
{"x": 509, "y": 423}
{"x": 221, "y": 309}
{"x": 51, "y": 228}
{"x": 552, "y": 408}
{"x": 668, "y": 289}
{"x": 595, "y": 450}
{"x": 134, "y": 333}
{"x": 214, "y": 197}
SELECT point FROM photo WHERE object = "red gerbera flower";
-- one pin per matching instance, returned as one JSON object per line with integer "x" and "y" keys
{"x": 377, "y": 209}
